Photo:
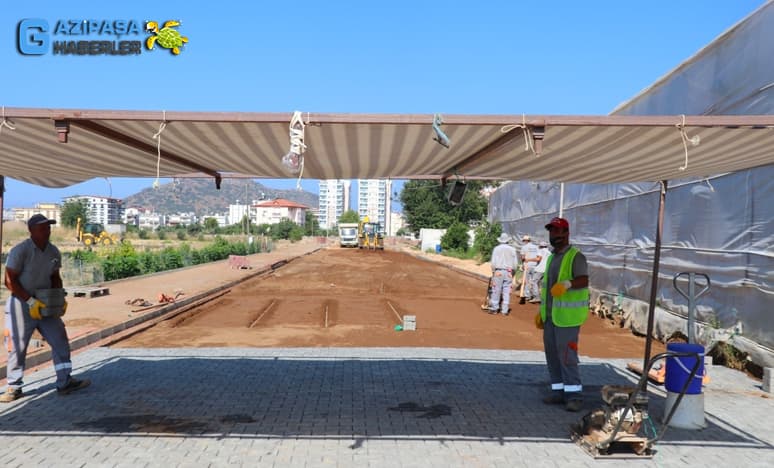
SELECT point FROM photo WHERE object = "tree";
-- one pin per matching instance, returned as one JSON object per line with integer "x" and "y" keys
{"x": 425, "y": 205}
{"x": 283, "y": 229}
{"x": 210, "y": 225}
{"x": 349, "y": 216}
{"x": 486, "y": 239}
{"x": 456, "y": 237}
{"x": 72, "y": 210}
{"x": 311, "y": 225}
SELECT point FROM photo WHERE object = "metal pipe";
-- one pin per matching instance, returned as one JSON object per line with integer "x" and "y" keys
{"x": 561, "y": 200}
{"x": 2, "y": 193}
{"x": 654, "y": 276}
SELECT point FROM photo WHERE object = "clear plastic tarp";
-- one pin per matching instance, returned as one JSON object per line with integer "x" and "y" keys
{"x": 722, "y": 226}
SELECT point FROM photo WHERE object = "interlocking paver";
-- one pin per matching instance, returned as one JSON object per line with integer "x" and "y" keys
{"x": 348, "y": 407}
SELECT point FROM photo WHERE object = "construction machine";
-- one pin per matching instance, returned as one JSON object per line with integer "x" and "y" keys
{"x": 369, "y": 235}
{"x": 94, "y": 234}
{"x": 348, "y": 234}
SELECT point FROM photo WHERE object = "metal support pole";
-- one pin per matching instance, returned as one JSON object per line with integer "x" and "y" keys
{"x": 561, "y": 200}
{"x": 2, "y": 194}
{"x": 654, "y": 275}
{"x": 692, "y": 295}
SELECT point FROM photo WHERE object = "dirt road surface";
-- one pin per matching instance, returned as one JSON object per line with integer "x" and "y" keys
{"x": 354, "y": 298}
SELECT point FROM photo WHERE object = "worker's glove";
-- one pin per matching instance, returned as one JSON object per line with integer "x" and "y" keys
{"x": 560, "y": 288}
{"x": 35, "y": 306}
{"x": 64, "y": 307}
{"x": 538, "y": 321}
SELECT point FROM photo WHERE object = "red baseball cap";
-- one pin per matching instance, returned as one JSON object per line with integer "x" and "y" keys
{"x": 558, "y": 223}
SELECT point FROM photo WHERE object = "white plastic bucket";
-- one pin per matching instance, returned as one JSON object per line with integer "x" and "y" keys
{"x": 689, "y": 414}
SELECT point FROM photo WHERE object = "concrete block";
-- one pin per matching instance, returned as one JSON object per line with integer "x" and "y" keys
{"x": 768, "y": 379}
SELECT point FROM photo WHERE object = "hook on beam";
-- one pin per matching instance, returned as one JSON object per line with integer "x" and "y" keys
{"x": 62, "y": 130}
{"x": 538, "y": 133}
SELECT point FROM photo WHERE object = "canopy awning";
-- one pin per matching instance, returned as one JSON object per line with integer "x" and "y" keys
{"x": 582, "y": 149}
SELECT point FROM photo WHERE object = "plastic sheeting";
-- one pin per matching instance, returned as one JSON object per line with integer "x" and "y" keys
{"x": 722, "y": 226}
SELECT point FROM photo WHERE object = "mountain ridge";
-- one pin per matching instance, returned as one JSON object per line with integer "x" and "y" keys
{"x": 202, "y": 198}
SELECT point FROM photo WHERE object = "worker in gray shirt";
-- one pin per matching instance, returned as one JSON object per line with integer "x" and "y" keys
{"x": 504, "y": 262}
{"x": 32, "y": 266}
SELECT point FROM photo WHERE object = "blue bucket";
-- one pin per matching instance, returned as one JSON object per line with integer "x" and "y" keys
{"x": 438, "y": 248}
{"x": 679, "y": 368}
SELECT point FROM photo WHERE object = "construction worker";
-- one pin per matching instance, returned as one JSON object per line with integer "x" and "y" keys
{"x": 504, "y": 262}
{"x": 529, "y": 260}
{"x": 31, "y": 266}
{"x": 540, "y": 269}
{"x": 564, "y": 308}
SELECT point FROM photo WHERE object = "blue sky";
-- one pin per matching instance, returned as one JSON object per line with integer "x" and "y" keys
{"x": 482, "y": 57}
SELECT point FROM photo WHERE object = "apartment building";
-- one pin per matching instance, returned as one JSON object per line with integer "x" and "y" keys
{"x": 103, "y": 210}
{"x": 274, "y": 211}
{"x": 374, "y": 201}
{"x": 334, "y": 196}
{"x": 49, "y": 210}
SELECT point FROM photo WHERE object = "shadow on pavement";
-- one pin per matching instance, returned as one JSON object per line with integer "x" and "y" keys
{"x": 351, "y": 398}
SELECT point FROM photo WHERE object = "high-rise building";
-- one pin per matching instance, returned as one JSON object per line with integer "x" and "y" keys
{"x": 333, "y": 201}
{"x": 105, "y": 210}
{"x": 373, "y": 200}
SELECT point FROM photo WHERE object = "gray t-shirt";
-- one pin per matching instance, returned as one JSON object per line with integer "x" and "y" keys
{"x": 579, "y": 268}
{"x": 34, "y": 266}
{"x": 504, "y": 257}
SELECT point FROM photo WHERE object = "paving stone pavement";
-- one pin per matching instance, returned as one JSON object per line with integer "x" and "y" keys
{"x": 348, "y": 407}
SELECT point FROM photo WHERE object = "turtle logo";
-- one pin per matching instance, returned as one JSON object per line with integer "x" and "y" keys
{"x": 166, "y": 37}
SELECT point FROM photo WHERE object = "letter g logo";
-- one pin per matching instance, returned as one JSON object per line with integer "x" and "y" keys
{"x": 33, "y": 38}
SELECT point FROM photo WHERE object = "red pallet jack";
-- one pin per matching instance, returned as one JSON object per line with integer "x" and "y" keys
{"x": 613, "y": 431}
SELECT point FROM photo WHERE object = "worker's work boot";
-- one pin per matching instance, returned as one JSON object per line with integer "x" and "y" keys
{"x": 11, "y": 394}
{"x": 523, "y": 300}
{"x": 73, "y": 385}
{"x": 556, "y": 397}
{"x": 574, "y": 404}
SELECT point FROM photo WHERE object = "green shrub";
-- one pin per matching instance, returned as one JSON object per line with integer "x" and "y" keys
{"x": 486, "y": 239}
{"x": 455, "y": 238}
{"x": 121, "y": 262}
{"x": 181, "y": 235}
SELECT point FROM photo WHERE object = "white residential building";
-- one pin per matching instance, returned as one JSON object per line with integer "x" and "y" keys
{"x": 396, "y": 222}
{"x": 274, "y": 211}
{"x": 147, "y": 219}
{"x": 49, "y": 210}
{"x": 374, "y": 201}
{"x": 103, "y": 210}
{"x": 333, "y": 201}
{"x": 132, "y": 216}
{"x": 181, "y": 219}
{"x": 237, "y": 212}
{"x": 222, "y": 219}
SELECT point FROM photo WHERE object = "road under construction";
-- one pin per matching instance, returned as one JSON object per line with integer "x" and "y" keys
{"x": 354, "y": 298}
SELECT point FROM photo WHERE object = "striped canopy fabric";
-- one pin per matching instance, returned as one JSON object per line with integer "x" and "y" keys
{"x": 583, "y": 149}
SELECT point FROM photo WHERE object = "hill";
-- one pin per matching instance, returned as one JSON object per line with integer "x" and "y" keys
{"x": 201, "y": 197}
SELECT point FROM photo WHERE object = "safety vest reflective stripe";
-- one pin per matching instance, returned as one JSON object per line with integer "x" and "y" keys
{"x": 557, "y": 386}
{"x": 573, "y": 388}
{"x": 63, "y": 365}
{"x": 570, "y": 305}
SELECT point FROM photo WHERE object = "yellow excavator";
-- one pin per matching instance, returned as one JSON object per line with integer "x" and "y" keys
{"x": 94, "y": 234}
{"x": 369, "y": 235}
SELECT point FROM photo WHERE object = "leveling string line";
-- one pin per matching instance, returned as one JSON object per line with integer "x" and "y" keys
{"x": 157, "y": 137}
{"x": 525, "y": 131}
{"x": 684, "y": 136}
{"x": 5, "y": 123}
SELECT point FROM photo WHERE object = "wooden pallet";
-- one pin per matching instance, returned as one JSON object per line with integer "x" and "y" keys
{"x": 88, "y": 292}
{"x": 655, "y": 376}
